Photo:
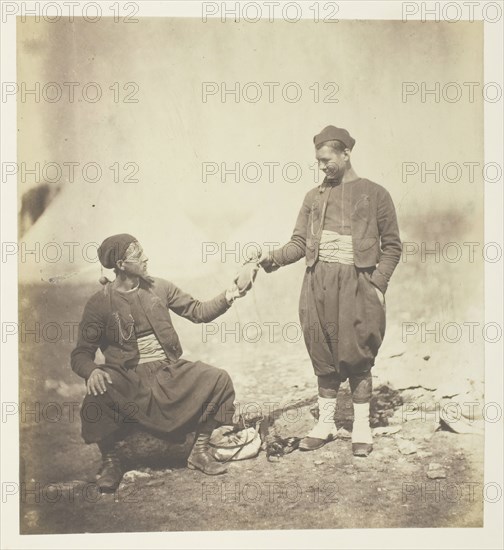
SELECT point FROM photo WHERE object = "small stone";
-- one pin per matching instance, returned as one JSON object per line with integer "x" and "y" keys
{"x": 436, "y": 471}
{"x": 32, "y": 518}
{"x": 387, "y": 430}
{"x": 135, "y": 475}
{"x": 318, "y": 462}
{"x": 407, "y": 447}
{"x": 424, "y": 454}
{"x": 343, "y": 434}
{"x": 155, "y": 483}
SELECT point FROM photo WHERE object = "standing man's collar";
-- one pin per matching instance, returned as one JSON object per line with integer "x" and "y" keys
{"x": 328, "y": 183}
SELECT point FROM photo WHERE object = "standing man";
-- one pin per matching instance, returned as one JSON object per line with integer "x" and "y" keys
{"x": 347, "y": 231}
{"x": 144, "y": 378}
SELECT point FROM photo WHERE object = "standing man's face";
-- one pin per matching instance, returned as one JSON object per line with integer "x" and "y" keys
{"x": 331, "y": 162}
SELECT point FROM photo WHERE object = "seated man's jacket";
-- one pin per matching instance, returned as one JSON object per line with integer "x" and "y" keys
{"x": 107, "y": 323}
{"x": 375, "y": 233}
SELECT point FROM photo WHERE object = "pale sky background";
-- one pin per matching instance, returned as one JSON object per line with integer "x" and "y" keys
{"x": 170, "y": 132}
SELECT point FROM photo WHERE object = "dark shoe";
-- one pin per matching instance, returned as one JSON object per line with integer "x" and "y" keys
{"x": 110, "y": 475}
{"x": 202, "y": 460}
{"x": 313, "y": 443}
{"x": 361, "y": 449}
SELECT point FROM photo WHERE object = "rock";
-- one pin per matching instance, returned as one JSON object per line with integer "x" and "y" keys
{"x": 156, "y": 483}
{"x": 435, "y": 471}
{"x": 32, "y": 519}
{"x": 387, "y": 430}
{"x": 135, "y": 475}
{"x": 318, "y": 462}
{"x": 418, "y": 430}
{"x": 343, "y": 434}
{"x": 140, "y": 448}
{"x": 424, "y": 454}
{"x": 406, "y": 447}
{"x": 384, "y": 402}
{"x": 463, "y": 414}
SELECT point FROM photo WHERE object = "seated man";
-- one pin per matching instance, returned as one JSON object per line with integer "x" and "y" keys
{"x": 144, "y": 379}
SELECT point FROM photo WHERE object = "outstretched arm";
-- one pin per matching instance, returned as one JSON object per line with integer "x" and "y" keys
{"x": 186, "y": 306}
{"x": 295, "y": 249}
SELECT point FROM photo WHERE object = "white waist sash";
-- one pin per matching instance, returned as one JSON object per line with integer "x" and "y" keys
{"x": 336, "y": 248}
{"x": 150, "y": 349}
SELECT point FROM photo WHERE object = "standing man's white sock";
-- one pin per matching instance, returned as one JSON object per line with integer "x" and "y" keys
{"x": 362, "y": 438}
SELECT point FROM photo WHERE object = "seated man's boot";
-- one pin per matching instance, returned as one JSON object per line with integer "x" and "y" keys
{"x": 201, "y": 458}
{"x": 325, "y": 428}
{"x": 362, "y": 438}
{"x": 111, "y": 472}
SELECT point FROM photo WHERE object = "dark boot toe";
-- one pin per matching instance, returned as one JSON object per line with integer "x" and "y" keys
{"x": 205, "y": 463}
{"x": 110, "y": 476}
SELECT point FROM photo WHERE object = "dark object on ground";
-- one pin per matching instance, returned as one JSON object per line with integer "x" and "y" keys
{"x": 277, "y": 446}
{"x": 384, "y": 402}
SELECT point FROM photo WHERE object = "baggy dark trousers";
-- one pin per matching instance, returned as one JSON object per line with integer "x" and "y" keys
{"x": 163, "y": 397}
{"x": 342, "y": 319}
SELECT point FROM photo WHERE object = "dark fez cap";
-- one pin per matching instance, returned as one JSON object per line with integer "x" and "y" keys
{"x": 113, "y": 249}
{"x": 331, "y": 132}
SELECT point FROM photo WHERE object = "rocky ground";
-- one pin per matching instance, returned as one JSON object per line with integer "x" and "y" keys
{"x": 419, "y": 474}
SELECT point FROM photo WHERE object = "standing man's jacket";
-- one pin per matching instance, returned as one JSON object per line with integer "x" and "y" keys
{"x": 375, "y": 234}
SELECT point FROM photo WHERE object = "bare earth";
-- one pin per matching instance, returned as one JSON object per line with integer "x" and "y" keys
{"x": 328, "y": 488}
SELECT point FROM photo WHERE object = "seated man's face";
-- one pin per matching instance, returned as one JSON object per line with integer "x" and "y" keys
{"x": 135, "y": 261}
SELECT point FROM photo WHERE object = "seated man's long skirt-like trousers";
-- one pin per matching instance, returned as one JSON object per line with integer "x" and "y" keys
{"x": 163, "y": 397}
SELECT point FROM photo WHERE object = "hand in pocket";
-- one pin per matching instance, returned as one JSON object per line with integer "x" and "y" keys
{"x": 381, "y": 297}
